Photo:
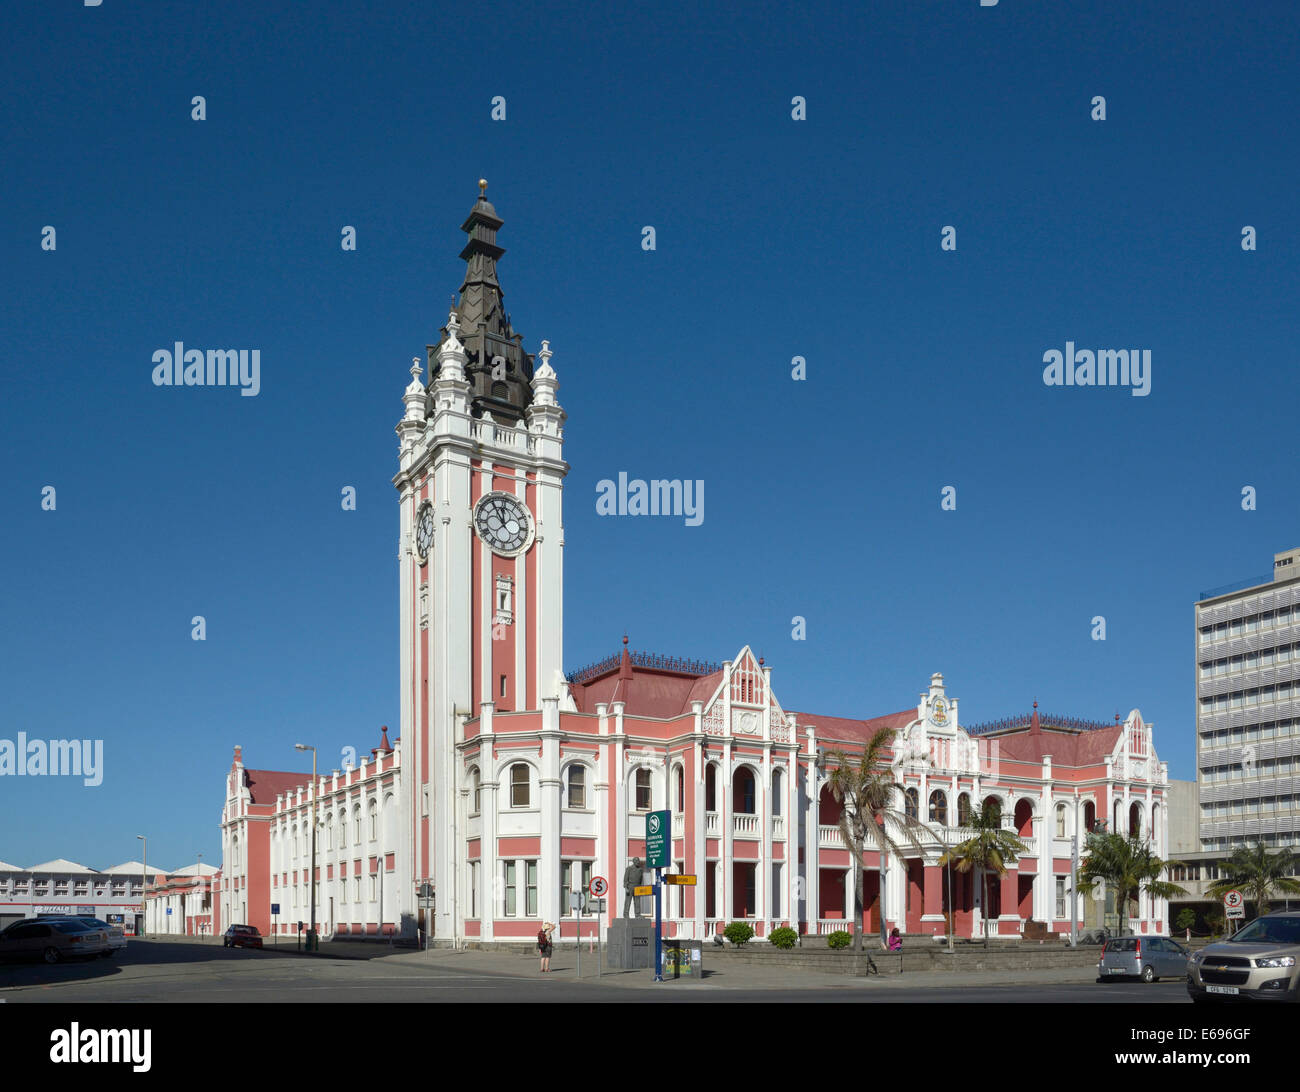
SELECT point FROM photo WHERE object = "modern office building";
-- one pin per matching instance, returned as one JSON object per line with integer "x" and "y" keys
{"x": 1248, "y": 710}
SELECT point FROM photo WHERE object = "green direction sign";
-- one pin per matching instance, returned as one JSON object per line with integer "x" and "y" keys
{"x": 657, "y": 827}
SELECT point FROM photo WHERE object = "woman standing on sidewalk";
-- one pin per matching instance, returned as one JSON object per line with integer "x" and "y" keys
{"x": 545, "y": 945}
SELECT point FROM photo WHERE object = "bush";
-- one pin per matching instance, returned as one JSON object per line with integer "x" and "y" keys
{"x": 784, "y": 937}
{"x": 839, "y": 939}
{"x": 738, "y": 932}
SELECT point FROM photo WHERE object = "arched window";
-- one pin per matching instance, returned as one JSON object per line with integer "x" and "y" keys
{"x": 994, "y": 807}
{"x": 389, "y": 819}
{"x": 475, "y": 790}
{"x": 777, "y": 793}
{"x": 577, "y": 784}
{"x": 1024, "y": 816}
{"x": 234, "y": 851}
{"x": 912, "y": 804}
{"x": 519, "y": 795}
{"x": 373, "y": 811}
{"x": 829, "y": 809}
{"x": 681, "y": 791}
{"x": 1060, "y": 820}
{"x": 1135, "y": 820}
{"x": 963, "y": 809}
{"x": 939, "y": 807}
{"x": 710, "y": 788}
{"x": 356, "y": 825}
{"x": 742, "y": 788}
{"x": 642, "y": 789}
{"x": 1089, "y": 816}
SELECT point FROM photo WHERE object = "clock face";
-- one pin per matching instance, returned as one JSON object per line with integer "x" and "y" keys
{"x": 424, "y": 531}
{"x": 502, "y": 522}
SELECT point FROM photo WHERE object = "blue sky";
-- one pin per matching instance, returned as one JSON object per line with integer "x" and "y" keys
{"x": 775, "y": 238}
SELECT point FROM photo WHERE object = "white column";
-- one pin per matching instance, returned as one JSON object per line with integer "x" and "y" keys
{"x": 726, "y": 908}
{"x": 604, "y": 863}
{"x": 548, "y": 865}
{"x": 696, "y": 820}
{"x": 812, "y": 838}
{"x": 618, "y": 856}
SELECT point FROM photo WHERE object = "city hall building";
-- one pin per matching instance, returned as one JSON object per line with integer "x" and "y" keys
{"x": 512, "y": 783}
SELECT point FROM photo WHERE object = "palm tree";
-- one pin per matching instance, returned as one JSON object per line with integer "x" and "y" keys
{"x": 1129, "y": 866}
{"x": 1258, "y": 873}
{"x": 868, "y": 819}
{"x": 989, "y": 850}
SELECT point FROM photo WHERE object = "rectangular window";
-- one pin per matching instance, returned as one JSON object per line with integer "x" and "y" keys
{"x": 503, "y": 686}
{"x": 510, "y": 889}
{"x": 775, "y": 899}
{"x": 577, "y": 786}
{"x": 531, "y": 867}
{"x": 1060, "y": 897}
{"x": 566, "y": 886}
{"x": 642, "y": 789}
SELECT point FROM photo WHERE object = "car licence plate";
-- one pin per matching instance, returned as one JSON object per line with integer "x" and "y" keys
{"x": 1117, "y": 970}
{"x": 1221, "y": 989}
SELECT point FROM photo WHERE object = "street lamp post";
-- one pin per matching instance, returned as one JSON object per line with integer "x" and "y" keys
{"x": 144, "y": 886}
{"x": 311, "y": 927}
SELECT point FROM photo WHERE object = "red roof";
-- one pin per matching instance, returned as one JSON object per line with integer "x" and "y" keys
{"x": 1066, "y": 748}
{"x": 265, "y": 785}
{"x": 648, "y": 693}
{"x": 854, "y": 731}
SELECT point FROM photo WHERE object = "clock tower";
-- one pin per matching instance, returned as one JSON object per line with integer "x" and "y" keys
{"x": 481, "y": 559}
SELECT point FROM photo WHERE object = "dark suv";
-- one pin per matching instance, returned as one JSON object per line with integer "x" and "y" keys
{"x": 1259, "y": 963}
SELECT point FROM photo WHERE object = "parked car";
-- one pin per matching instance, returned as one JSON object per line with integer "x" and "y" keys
{"x": 1147, "y": 958}
{"x": 1261, "y": 962}
{"x": 52, "y": 940}
{"x": 242, "y": 936}
{"x": 116, "y": 934}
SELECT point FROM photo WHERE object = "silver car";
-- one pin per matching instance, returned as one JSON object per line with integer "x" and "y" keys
{"x": 52, "y": 940}
{"x": 1147, "y": 958}
{"x": 1259, "y": 963}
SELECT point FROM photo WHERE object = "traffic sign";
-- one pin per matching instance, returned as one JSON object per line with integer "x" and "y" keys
{"x": 647, "y": 890}
{"x": 575, "y": 900}
{"x": 657, "y": 826}
{"x": 598, "y": 886}
{"x": 1234, "y": 904}
{"x": 596, "y": 906}
{"x": 275, "y": 909}
{"x": 680, "y": 880}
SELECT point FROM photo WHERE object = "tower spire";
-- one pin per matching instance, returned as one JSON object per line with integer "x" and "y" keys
{"x": 499, "y": 371}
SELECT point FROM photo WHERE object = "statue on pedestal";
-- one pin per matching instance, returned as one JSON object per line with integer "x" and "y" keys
{"x": 632, "y": 877}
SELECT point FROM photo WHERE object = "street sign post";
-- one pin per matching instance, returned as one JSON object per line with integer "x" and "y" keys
{"x": 658, "y": 834}
{"x": 598, "y": 886}
{"x": 1234, "y": 905}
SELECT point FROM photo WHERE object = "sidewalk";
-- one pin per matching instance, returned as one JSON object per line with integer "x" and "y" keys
{"x": 719, "y": 975}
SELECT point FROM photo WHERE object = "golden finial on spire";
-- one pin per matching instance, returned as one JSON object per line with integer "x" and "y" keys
{"x": 482, "y": 188}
